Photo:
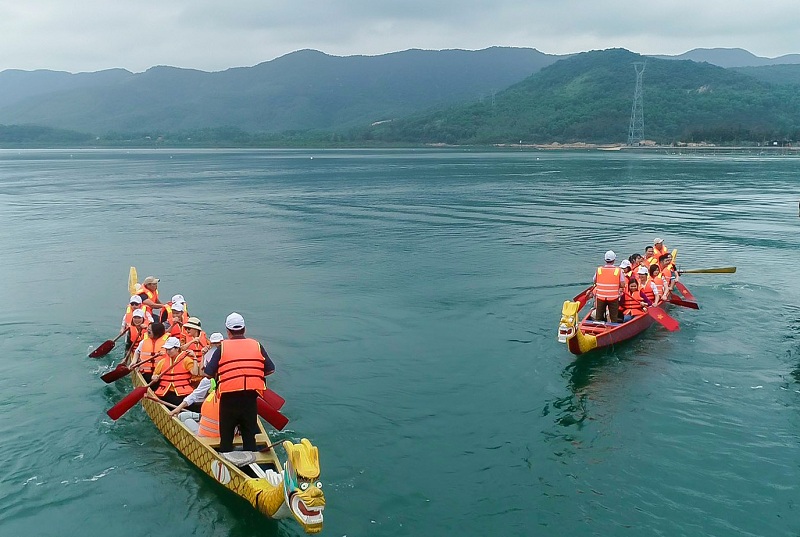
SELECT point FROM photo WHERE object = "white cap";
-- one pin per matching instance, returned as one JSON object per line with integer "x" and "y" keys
{"x": 172, "y": 343}
{"x": 234, "y": 321}
{"x": 611, "y": 256}
{"x": 178, "y": 306}
{"x": 625, "y": 264}
{"x": 138, "y": 313}
{"x": 178, "y": 298}
{"x": 642, "y": 270}
{"x": 657, "y": 240}
{"x": 136, "y": 298}
{"x": 216, "y": 337}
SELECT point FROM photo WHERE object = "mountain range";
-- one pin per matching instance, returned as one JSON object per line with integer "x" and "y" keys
{"x": 311, "y": 91}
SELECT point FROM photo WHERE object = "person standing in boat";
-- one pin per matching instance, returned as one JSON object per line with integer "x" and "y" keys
{"x": 240, "y": 367}
{"x": 609, "y": 283}
{"x": 149, "y": 296}
{"x": 173, "y": 382}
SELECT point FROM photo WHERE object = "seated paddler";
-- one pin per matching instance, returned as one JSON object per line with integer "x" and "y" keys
{"x": 173, "y": 373}
{"x": 632, "y": 304}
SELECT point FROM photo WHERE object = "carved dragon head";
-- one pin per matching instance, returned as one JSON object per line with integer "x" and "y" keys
{"x": 568, "y": 326}
{"x": 301, "y": 485}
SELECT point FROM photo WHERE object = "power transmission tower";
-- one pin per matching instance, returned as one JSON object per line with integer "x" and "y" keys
{"x": 636, "y": 130}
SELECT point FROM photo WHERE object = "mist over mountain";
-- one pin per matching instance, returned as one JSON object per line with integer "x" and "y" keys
{"x": 302, "y": 90}
{"x": 494, "y": 95}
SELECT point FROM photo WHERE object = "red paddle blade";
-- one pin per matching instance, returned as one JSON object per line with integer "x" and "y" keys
{"x": 678, "y": 301}
{"x": 273, "y": 417}
{"x": 663, "y": 319}
{"x": 274, "y": 400}
{"x": 115, "y": 374}
{"x": 685, "y": 292}
{"x": 127, "y": 403}
{"x": 102, "y": 350}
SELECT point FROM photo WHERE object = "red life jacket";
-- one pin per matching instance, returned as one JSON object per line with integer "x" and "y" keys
{"x": 647, "y": 290}
{"x": 175, "y": 379}
{"x": 607, "y": 283}
{"x": 241, "y": 366}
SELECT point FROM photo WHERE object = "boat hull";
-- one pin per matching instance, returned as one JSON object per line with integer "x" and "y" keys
{"x": 200, "y": 453}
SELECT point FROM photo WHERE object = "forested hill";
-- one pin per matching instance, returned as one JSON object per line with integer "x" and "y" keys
{"x": 302, "y": 90}
{"x": 588, "y": 98}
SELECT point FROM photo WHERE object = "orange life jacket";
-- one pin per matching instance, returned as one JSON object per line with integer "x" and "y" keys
{"x": 175, "y": 379}
{"x": 136, "y": 333}
{"x": 666, "y": 273}
{"x": 647, "y": 290}
{"x": 607, "y": 283}
{"x": 241, "y": 366}
{"x": 149, "y": 349}
{"x": 168, "y": 308}
{"x": 198, "y": 350}
{"x": 631, "y": 303}
{"x": 659, "y": 281}
{"x": 658, "y": 252}
{"x": 209, "y": 416}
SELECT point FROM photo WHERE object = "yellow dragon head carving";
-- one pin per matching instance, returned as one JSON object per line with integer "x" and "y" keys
{"x": 301, "y": 485}
{"x": 568, "y": 326}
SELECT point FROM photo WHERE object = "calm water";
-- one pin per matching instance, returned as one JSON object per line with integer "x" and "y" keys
{"x": 410, "y": 300}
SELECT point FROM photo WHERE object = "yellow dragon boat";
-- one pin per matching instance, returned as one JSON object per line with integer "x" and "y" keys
{"x": 278, "y": 491}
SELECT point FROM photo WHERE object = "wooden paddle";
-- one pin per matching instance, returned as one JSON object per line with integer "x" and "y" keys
{"x": 663, "y": 318}
{"x": 721, "y": 270}
{"x": 130, "y": 400}
{"x": 678, "y": 301}
{"x": 273, "y": 417}
{"x": 106, "y": 346}
{"x": 132, "y": 280}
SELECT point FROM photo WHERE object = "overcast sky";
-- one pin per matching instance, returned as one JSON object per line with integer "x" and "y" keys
{"x": 212, "y": 35}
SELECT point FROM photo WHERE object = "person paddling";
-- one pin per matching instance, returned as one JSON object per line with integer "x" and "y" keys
{"x": 633, "y": 304}
{"x": 194, "y": 400}
{"x": 150, "y": 347}
{"x": 173, "y": 382}
{"x": 127, "y": 319}
{"x": 240, "y": 367}
{"x": 194, "y": 339}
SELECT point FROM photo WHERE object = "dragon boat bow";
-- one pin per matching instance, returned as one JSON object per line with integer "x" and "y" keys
{"x": 278, "y": 491}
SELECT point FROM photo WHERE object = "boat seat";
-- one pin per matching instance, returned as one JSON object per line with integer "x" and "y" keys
{"x": 213, "y": 442}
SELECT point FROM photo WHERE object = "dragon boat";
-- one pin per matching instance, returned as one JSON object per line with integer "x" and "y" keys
{"x": 277, "y": 491}
{"x": 586, "y": 335}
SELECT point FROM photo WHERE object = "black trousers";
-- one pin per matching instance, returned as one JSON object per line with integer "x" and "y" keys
{"x": 238, "y": 408}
